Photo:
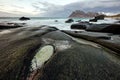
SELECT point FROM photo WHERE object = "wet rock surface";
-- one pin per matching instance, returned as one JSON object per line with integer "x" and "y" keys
{"x": 108, "y": 40}
{"x": 69, "y": 21}
{"x": 71, "y": 59}
{"x": 17, "y": 50}
{"x": 90, "y": 66}
{"x": 105, "y": 28}
{"x": 96, "y": 18}
{"x": 108, "y": 28}
{"x": 8, "y": 25}
{"x": 100, "y": 17}
{"x": 80, "y": 25}
{"x": 93, "y": 20}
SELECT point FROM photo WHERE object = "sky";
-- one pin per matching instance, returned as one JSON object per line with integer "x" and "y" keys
{"x": 56, "y": 8}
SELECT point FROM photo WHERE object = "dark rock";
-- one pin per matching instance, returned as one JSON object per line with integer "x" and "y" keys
{"x": 104, "y": 37}
{"x": 96, "y": 27}
{"x": 17, "y": 51}
{"x": 56, "y": 20}
{"x": 11, "y": 25}
{"x": 69, "y": 21}
{"x": 54, "y": 36}
{"x": 117, "y": 22}
{"x": 114, "y": 28}
{"x": 52, "y": 28}
{"x": 100, "y": 17}
{"x": 93, "y": 20}
{"x": 112, "y": 44}
{"x": 81, "y": 25}
{"x": 107, "y": 28}
{"x": 85, "y": 22}
{"x": 24, "y": 18}
{"x": 78, "y": 26}
{"x": 80, "y": 62}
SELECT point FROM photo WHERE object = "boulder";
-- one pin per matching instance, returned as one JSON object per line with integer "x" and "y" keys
{"x": 11, "y": 25}
{"x": 107, "y": 28}
{"x": 81, "y": 25}
{"x": 69, "y": 21}
{"x": 56, "y": 20}
{"x": 113, "y": 28}
{"x": 96, "y": 27}
{"x": 93, "y": 20}
{"x": 100, "y": 17}
{"x": 24, "y": 18}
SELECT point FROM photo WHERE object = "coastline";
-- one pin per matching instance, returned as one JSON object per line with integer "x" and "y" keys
{"x": 60, "y": 40}
{"x": 74, "y": 54}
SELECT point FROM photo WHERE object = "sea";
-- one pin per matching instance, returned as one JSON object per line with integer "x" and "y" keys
{"x": 51, "y": 21}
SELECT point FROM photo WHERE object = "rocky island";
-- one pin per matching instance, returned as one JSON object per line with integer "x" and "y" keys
{"x": 24, "y": 18}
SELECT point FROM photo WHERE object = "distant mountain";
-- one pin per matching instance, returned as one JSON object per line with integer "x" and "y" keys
{"x": 82, "y": 14}
{"x": 116, "y": 15}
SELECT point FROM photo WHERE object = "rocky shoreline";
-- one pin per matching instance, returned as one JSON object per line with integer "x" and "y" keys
{"x": 11, "y": 25}
{"x": 72, "y": 58}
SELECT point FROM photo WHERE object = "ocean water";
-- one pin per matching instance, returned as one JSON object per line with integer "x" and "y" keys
{"x": 38, "y": 21}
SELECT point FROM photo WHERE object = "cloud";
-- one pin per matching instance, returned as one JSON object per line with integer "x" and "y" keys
{"x": 45, "y": 6}
{"x": 18, "y": 10}
{"x": 52, "y": 9}
{"x": 19, "y": 7}
{"x": 107, "y": 6}
{"x": 94, "y": 5}
{"x": 46, "y": 9}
